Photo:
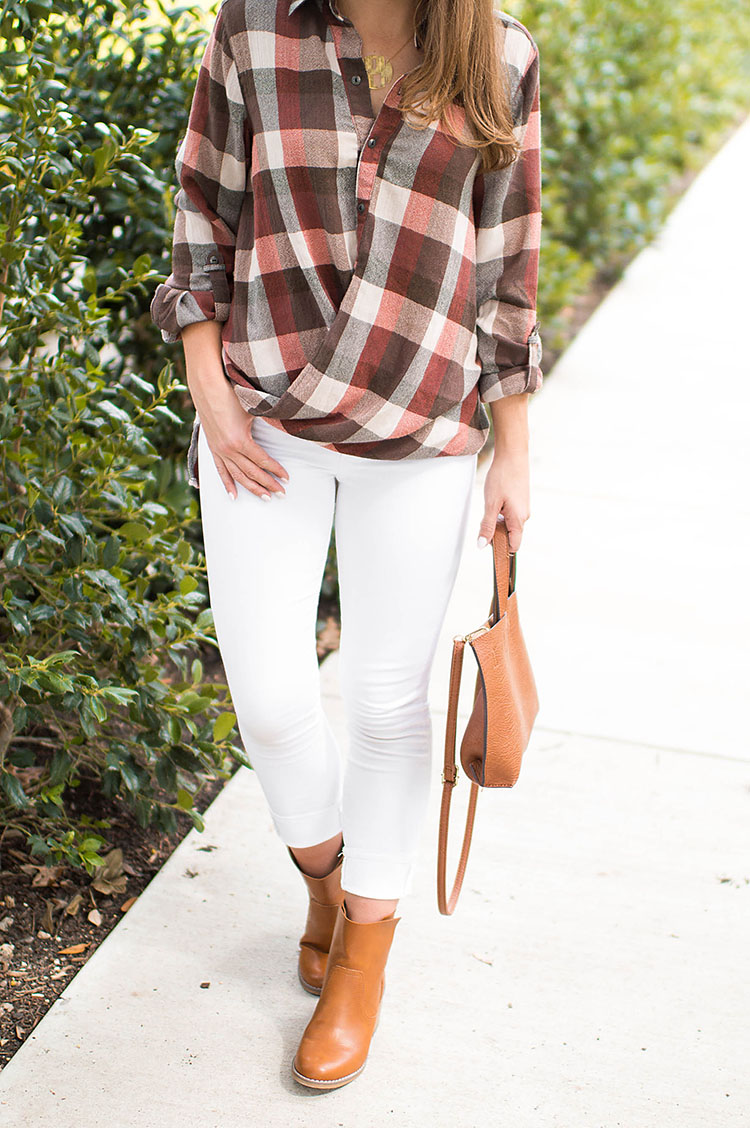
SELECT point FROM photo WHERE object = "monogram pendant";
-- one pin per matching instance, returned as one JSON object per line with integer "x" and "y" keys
{"x": 379, "y": 71}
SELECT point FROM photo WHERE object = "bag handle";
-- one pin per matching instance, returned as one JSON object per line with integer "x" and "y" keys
{"x": 504, "y": 570}
{"x": 504, "y": 580}
{"x": 449, "y": 781}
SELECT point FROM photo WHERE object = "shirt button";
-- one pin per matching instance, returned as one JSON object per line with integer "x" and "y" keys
{"x": 356, "y": 79}
{"x": 360, "y": 206}
{"x": 371, "y": 142}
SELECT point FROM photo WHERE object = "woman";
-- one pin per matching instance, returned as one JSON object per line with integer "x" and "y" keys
{"x": 354, "y": 277}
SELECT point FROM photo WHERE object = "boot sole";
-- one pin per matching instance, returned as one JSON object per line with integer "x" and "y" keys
{"x": 336, "y": 1083}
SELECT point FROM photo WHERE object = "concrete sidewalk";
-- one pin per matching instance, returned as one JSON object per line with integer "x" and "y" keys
{"x": 594, "y": 972}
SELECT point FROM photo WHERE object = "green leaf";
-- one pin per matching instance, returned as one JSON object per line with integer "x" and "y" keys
{"x": 16, "y": 554}
{"x": 19, "y": 620}
{"x": 194, "y": 702}
{"x": 63, "y": 490}
{"x": 74, "y": 550}
{"x": 114, "y": 411}
{"x": 129, "y": 776}
{"x": 118, "y": 693}
{"x": 239, "y": 754}
{"x": 13, "y": 59}
{"x": 162, "y": 409}
{"x": 184, "y": 799}
{"x": 98, "y": 709}
{"x": 110, "y": 552}
{"x": 134, "y": 531}
{"x": 223, "y": 725}
{"x": 12, "y": 788}
{"x": 89, "y": 280}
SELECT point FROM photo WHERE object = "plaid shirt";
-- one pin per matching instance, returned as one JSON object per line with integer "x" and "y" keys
{"x": 376, "y": 287}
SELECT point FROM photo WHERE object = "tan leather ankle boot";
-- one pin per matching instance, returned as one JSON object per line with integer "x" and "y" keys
{"x": 336, "y": 1040}
{"x": 325, "y": 897}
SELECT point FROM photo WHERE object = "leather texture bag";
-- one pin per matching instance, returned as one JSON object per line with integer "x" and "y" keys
{"x": 505, "y": 707}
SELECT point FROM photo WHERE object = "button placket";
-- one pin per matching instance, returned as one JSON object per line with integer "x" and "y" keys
{"x": 369, "y": 157}
{"x": 348, "y": 46}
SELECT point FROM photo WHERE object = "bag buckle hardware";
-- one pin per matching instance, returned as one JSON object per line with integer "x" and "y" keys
{"x": 475, "y": 634}
{"x": 453, "y": 781}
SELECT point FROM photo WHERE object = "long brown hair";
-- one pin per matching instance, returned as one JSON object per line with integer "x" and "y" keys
{"x": 463, "y": 63}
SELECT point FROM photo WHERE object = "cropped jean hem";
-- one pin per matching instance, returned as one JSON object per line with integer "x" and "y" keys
{"x": 376, "y": 875}
{"x": 301, "y": 831}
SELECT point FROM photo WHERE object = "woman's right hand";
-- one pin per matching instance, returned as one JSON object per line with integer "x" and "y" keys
{"x": 238, "y": 457}
{"x": 227, "y": 426}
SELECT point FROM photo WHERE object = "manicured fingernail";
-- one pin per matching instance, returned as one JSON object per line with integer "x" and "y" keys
{"x": 266, "y": 497}
{"x": 481, "y": 542}
{"x": 232, "y": 497}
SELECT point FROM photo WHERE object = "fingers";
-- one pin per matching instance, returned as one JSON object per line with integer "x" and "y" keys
{"x": 487, "y": 527}
{"x": 513, "y": 522}
{"x": 264, "y": 466}
{"x": 226, "y": 477}
{"x": 246, "y": 473}
{"x": 250, "y": 466}
{"x": 256, "y": 467}
{"x": 262, "y": 458}
{"x": 232, "y": 474}
{"x": 515, "y": 531}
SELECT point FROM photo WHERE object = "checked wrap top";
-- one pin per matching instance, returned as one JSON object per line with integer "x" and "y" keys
{"x": 375, "y": 287}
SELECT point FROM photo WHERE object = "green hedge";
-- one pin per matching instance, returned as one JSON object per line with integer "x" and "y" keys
{"x": 102, "y": 585}
{"x": 102, "y": 601}
{"x": 633, "y": 94}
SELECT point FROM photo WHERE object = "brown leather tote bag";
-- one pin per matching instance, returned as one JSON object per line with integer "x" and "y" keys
{"x": 505, "y": 707}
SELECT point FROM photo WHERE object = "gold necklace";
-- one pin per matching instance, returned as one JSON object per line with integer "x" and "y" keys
{"x": 377, "y": 66}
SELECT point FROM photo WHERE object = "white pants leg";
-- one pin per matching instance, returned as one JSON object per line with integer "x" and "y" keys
{"x": 264, "y": 564}
{"x": 399, "y": 527}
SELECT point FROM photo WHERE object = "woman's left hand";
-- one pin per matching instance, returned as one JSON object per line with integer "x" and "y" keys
{"x": 506, "y": 493}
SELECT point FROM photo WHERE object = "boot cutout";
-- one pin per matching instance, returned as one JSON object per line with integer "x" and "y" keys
{"x": 325, "y": 895}
{"x": 336, "y": 1041}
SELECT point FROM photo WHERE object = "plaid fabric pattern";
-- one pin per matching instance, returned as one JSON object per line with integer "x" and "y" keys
{"x": 376, "y": 289}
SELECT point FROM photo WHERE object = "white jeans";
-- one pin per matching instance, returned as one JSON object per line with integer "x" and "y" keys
{"x": 399, "y": 530}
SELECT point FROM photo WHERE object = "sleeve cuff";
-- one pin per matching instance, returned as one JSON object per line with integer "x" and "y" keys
{"x": 495, "y": 383}
{"x": 173, "y": 308}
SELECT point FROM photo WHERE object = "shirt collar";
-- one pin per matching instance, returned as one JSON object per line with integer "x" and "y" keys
{"x": 294, "y": 4}
{"x": 297, "y": 3}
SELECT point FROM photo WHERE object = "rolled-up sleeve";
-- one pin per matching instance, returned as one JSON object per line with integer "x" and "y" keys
{"x": 508, "y": 219}
{"x": 212, "y": 167}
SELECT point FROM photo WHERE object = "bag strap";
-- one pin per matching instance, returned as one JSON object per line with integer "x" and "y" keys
{"x": 503, "y": 571}
{"x": 449, "y": 778}
{"x": 503, "y": 582}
